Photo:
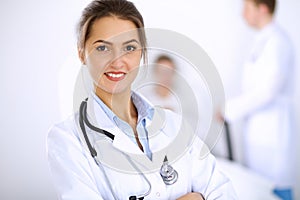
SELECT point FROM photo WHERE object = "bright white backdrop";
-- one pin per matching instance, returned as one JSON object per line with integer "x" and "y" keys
{"x": 38, "y": 40}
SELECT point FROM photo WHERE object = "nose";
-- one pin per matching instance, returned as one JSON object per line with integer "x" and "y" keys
{"x": 118, "y": 60}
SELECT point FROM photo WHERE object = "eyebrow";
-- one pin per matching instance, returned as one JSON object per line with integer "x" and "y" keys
{"x": 102, "y": 41}
{"x": 129, "y": 41}
{"x": 107, "y": 42}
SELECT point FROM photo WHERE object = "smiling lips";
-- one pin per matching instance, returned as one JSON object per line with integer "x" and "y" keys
{"x": 115, "y": 76}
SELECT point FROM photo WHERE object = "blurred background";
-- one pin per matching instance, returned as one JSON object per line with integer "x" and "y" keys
{"x": 38, "y": 49}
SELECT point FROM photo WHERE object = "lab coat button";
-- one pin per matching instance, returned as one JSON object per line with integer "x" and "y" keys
{"x": 157, "y": 194}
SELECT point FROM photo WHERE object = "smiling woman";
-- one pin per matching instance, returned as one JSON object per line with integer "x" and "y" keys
{"x": 88, "y": 165}
{"x": 112, "y": 59}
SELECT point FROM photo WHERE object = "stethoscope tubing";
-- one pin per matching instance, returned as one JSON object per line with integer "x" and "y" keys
{"x": 84, "y": 120}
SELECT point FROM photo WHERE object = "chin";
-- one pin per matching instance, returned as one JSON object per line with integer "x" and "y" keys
{"x": 113, "y": 90}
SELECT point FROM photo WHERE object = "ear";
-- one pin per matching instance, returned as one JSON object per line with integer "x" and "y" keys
{"x": 81, "y": 55}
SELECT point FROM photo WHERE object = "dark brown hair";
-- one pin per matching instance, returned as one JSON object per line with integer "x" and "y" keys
{"x": 163, "y": 57}
{"x": 97, "y": 9}
{"x": 271, "y": 4}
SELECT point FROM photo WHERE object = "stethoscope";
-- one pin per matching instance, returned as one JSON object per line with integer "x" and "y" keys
{"x": 167, "y": 172}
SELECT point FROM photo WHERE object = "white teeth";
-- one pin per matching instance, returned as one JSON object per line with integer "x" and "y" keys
{"x": 115, "y": 75}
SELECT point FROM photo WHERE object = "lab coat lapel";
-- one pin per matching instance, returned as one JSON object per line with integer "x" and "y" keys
{"x": 260, "y": 42}
{"x": 122, "y": 142}
{"x": 98, "y": 117}
{"x": 157, "y": 137}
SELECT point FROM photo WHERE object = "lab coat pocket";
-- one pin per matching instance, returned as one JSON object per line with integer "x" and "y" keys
{"x": 129, "y": 185}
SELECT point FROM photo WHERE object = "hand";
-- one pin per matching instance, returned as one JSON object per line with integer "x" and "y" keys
{"x": 192, "y": 196}
{"x": 219, "y": 116}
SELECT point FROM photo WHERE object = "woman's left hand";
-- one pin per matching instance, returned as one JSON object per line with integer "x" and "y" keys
{"x": 219, "y": 117}
{"x": 192, "y": 196}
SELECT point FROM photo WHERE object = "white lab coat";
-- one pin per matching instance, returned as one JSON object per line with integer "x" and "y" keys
{"x": 266, "y": 105}
{"x": 77, "y": 176}
{"x": 168, "y": 102}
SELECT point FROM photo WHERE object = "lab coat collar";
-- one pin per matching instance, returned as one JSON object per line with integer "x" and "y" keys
{"x": 97, "y": 115}
{"x": 144, "y": 107}
{"x": 266, "y": 31}
{"x": 161, "y": 136}
{"x": 99, "y": 118}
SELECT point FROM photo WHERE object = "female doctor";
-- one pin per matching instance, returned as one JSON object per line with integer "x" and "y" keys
{"x": 107, "y": 149}
{"x": 265, "y": 102}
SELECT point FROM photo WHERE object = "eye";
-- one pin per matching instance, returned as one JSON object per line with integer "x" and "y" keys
{"x": 130, "y": 48}
{"x": 102, "y": 48}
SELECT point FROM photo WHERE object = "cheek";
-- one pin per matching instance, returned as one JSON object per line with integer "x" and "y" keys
{"x": 249, "y": 17}
{"x": 96, "y": 68}
{"x": 133, "y": 60}
{"x": 133, "y": 72}
{"x": 247, "y": 11}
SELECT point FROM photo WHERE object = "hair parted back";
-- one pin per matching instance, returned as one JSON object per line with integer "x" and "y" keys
{"x": 98, "y": 9}
{"x": 271, "y": 4}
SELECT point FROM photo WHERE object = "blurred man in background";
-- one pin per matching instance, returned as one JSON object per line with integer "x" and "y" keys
{"x": 265, "y": 101}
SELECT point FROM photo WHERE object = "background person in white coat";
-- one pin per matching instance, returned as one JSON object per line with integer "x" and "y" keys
{"x": 265, "y": 102}
{"x": 111, "y": 43}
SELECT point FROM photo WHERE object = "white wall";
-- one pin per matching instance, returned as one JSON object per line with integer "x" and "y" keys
{"x": 37, "y": 39}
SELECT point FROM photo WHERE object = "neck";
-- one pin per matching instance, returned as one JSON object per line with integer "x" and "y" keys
{"x": 265, "y": 21}
{"x": 121, "y": 104}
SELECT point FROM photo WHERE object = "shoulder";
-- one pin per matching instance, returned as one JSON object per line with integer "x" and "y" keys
{"x": 279, "y": 38}
{"x": 63, "y": 128}
{"x": 63, "y": 135}
{"x": 168, "y": 118}
{"x": 176, "y": 126}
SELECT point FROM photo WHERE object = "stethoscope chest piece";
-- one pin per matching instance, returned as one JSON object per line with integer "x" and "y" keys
{"x": 168, "y": 173}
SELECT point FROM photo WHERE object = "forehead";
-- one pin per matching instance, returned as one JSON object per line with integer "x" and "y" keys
{"x": 250, "y": 3}
{"x": 113, "y": 29}
{"x": 165, "y": 62}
